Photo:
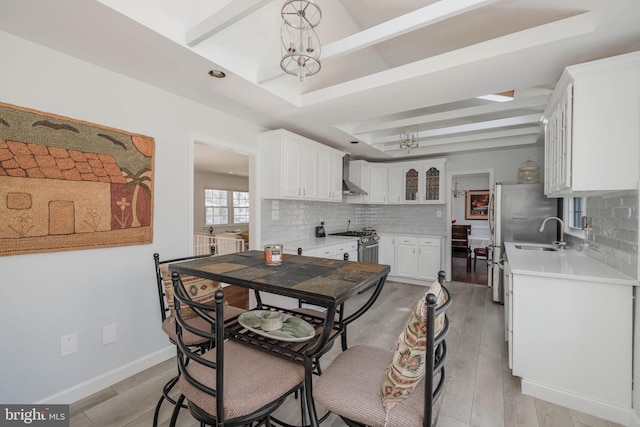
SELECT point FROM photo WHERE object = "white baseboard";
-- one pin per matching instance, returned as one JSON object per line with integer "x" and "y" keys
{"x": 87, "y": 388}
{"x": 608, "y": 411}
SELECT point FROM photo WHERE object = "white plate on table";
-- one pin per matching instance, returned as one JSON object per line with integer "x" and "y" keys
{"x": 294, "y": 329}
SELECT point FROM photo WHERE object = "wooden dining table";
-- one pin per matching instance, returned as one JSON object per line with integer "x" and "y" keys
{"x": 321, "y": 282}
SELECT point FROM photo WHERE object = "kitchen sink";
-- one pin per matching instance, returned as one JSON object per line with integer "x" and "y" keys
{"x": 536, "y": 247}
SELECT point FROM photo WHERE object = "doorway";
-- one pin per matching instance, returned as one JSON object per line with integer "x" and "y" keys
{"x": 464, "y": 181}
{"x": 224, "y": 159}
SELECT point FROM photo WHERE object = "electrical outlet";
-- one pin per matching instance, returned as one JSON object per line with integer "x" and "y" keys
{"x": 275, "y": 214}
{"x": 68, "y": 344}
{"x": 109, "y": 334}
{"x": 439, "y": 214}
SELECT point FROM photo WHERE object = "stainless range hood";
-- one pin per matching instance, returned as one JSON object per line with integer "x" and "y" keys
{"x": 348, "y": 187}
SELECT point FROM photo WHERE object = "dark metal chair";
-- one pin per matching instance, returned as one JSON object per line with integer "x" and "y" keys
{"x": 231, "y": 384}
{"x": 351, "y": 386}
{"x": 165, "y": 294}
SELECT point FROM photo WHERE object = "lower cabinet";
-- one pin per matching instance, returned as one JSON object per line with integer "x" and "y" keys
{"x": 572, "y": 342}
{"x": 407, "y": 257}
{"x": 428, "y": 258}
{"x": 413, "y": 259}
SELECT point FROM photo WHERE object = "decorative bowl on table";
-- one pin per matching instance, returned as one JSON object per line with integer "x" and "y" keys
{"x": 293, "y": 329}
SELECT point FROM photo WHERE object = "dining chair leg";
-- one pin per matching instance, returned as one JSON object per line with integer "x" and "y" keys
{"x": 166, "y": 389}
{"x": 176, "y": 411}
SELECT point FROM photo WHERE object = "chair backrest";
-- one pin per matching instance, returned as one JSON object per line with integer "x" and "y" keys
{"x": 214, "y": 334}
{"x": 436, "y": 350}
{"x": 460, "y": 235}
{"x": 163, "y": 281}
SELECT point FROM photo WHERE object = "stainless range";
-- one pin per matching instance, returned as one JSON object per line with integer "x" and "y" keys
{"x": 368, "y": 243}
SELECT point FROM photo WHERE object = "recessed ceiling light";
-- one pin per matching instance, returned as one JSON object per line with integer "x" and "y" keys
{"x": 231, "y": 172}
{"x": 217, "y": 74}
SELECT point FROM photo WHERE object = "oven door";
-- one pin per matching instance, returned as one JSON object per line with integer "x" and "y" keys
{"x": 368, "y": 253}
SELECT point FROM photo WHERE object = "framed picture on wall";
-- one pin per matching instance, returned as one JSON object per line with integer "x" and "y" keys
{"x": 477, "y": 204}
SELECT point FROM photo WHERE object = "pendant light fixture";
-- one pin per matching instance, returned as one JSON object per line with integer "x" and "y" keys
{"x": 300, "y": 43}
{"x": 409, "y": 138}
{"x": 458, "y": 191}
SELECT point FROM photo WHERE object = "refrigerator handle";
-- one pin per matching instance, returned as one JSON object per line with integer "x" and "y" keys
{"x": 490, "y": 212}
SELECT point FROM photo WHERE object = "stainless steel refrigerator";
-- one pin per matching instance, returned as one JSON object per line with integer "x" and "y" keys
{"x": 516, "y": 212}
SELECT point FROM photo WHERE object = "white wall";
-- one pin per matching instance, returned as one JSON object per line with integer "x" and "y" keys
{"x": 46, "y": 296}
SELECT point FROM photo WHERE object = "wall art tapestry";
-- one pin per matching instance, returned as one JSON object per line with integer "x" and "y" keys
{"x": 66, "y": 184}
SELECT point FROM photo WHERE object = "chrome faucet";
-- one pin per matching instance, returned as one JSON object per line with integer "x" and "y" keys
{"x": 559, "y": 243}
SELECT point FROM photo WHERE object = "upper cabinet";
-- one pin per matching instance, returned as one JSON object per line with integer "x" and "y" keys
{"x": 592, "y": 137}
{"x": 295, "y": 167}
{"x": 415, "y": 182}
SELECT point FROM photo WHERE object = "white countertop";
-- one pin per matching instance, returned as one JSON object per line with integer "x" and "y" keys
{"x": 315, "y": 242}
{"x": 563, "y": 264}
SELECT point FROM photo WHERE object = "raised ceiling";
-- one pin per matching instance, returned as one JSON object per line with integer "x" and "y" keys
{"x": 386, "y": 64}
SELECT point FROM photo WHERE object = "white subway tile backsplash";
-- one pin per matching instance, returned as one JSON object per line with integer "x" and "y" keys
{"x": 613, "y": 238}
{"x": 298, "y": 219}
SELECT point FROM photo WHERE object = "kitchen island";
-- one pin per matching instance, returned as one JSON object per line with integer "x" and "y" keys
{"x": 569, "y": 324}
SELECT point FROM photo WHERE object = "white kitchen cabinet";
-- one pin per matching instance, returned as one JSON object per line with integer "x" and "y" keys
{"x": 407, "y": 257}
{"x": 432, "y": 181}
{"x": 329, "y": 176}
{"x": 411, "y": 177}
{"x": 387, "y": 253}
{"x": 570, "y": 330}
{"x": 309, "y": 187}
{"x": 335, "y": 177}
{"x": 299, "y": 168}
{"x": 395, "y": 184}
{"x": 289, "y": 177}
{"x": 558, "y": 145}
{"x": 428, "y": 258}
{"x": 415, "y": 182}
{"x": 591, "y": 128}
{"x": 413, "y": 259}
{"x": 378, "y": 183}
{"x": 424, "y": 182}
{"x": 324, "y": 247}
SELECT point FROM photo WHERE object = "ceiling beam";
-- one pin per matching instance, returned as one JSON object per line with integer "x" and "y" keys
{"x": 441, "y": 149}
{"x": 412, "y": 21}
{"x": 471, "y": 127}
{"x": 224, "y": 18}
{"x": 497, "y": 107}
{"x": 476, "y": 137}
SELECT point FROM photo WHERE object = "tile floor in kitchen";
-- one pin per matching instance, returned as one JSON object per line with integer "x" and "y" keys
{"x": 480, "y": 390}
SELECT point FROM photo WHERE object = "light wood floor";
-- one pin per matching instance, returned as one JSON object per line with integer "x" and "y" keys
{"x": 480, "y": 390}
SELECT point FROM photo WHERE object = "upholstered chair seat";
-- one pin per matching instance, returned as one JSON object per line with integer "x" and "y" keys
{"x": 361, "y": 401}
{"x": 276, "y": 377}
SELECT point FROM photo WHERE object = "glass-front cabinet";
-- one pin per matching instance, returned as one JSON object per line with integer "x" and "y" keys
{"x": 411, "y": 184}
{"x": 423, "y": 182}
{"x": 433, "y": 178}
